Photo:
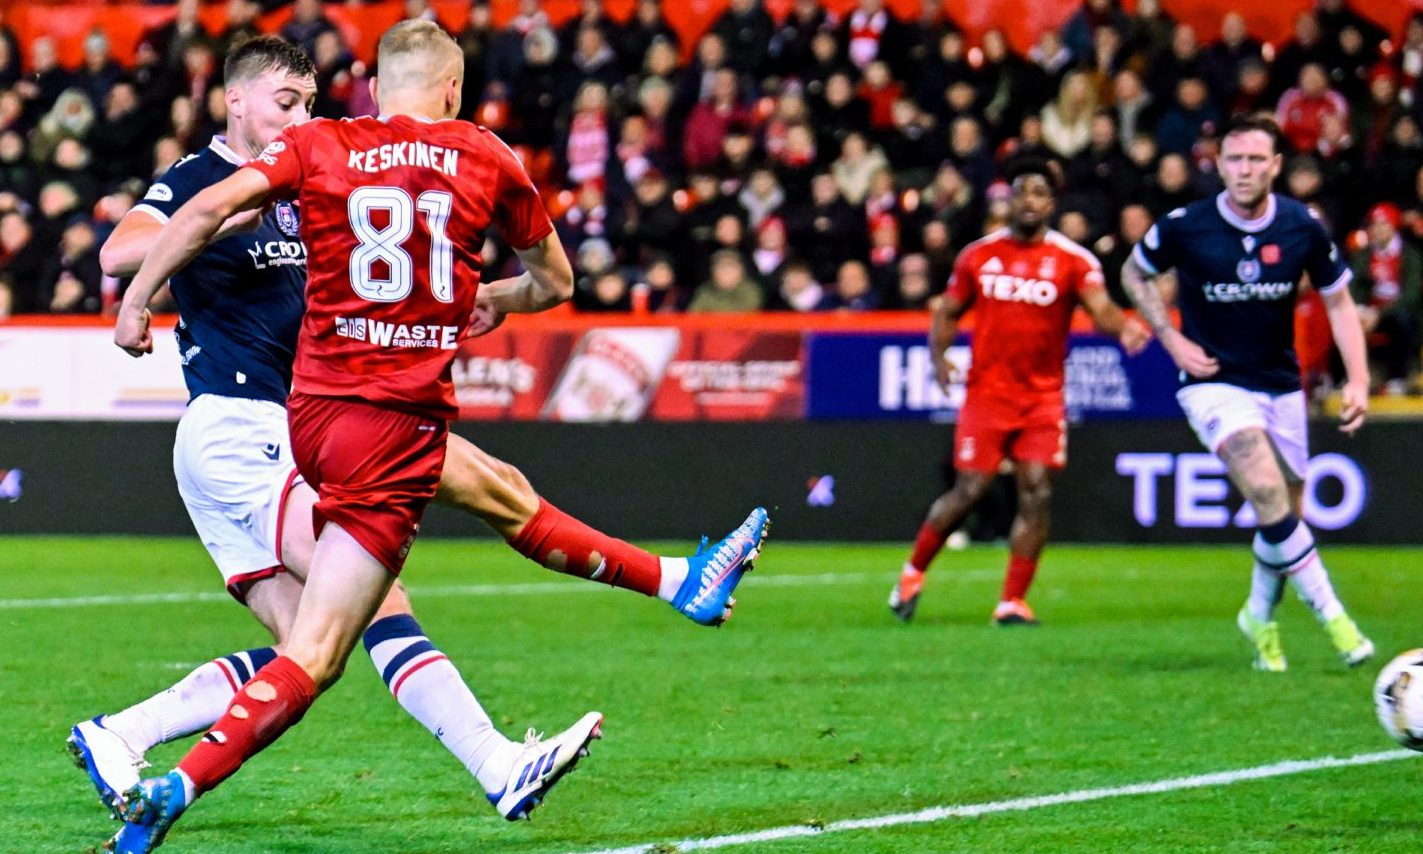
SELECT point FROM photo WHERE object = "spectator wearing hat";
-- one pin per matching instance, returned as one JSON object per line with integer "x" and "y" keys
{"x": 1387, "y": 279}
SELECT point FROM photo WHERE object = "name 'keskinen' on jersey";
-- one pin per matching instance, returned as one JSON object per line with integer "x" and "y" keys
{"x": 417, "y": 153}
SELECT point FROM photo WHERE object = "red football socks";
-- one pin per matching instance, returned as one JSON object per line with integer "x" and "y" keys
{"x": 1019, "y": 578}
{"x": 928, "y": 544}
{"x": 560, "y": 542}
{"x": 269, "y": 704}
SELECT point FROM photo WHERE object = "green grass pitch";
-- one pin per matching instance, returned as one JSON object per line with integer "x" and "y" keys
{"x": 813, "y": 705}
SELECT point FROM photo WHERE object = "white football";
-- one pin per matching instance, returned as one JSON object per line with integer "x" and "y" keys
{"x": 1398, "y": 699}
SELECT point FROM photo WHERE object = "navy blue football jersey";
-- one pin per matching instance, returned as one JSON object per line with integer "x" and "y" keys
{"x": 240, "y": 301}
{"x": 1238, "y": 283}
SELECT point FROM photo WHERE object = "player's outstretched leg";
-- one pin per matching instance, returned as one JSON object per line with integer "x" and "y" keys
{"x": 110, "y": 748}
{"x": 704, "y": 596}
{"x": 541, "y": 763}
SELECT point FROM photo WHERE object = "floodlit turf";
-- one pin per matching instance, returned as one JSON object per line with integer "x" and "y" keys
{"x": 813, "y": 705}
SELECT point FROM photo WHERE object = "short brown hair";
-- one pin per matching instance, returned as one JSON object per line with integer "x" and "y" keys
{"x": 261, "y": 54}
{"x": 1246, "y": 123}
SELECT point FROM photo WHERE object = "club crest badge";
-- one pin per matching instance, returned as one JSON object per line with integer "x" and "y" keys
{"x": 286, "y": 219}
{"x": 1270, "y": 253}
{"x": 1248, "y": 270}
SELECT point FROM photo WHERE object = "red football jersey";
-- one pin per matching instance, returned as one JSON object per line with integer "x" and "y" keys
{"x": 393, "y": 214}
{"x": 1022, "y": 295}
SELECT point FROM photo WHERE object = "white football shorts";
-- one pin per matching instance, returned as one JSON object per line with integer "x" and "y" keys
{"x": 233, "y": 461}
{"x": 1218, "y": 410}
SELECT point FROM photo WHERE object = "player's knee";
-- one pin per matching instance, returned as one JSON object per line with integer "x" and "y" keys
{"x": 972, "y": 486}
{"x": 1035, "y": 498}
{"x": 322, "y": 665}
{"x": 396, "y": 603}
{"x": 323, "y": 660}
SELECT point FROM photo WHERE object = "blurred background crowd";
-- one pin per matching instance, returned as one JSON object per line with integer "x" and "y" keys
{"x": 812, "y": 162}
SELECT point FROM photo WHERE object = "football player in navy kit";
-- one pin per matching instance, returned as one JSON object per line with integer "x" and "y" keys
{"x": 1239, "y": 259}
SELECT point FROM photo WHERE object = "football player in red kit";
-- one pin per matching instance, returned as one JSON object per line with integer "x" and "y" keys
{"x": 1023, "y": 283}
{"x": 394, "y": 212}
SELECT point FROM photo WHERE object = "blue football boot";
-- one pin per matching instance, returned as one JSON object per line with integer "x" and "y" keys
{"x": 713, "y": 573}
{"x": 153, "y": 806}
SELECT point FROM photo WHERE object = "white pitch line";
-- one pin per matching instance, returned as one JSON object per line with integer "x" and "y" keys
{"x": 937, "y": 814}
{"x": 436, "y": 591}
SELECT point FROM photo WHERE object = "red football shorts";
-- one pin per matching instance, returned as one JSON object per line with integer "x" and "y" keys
{"x": 1026, "y": 428}
{"x": 374, "y": 469}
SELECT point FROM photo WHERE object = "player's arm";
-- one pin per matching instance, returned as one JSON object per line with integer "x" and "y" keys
{"x": 1141, "y": 285}
{"x": 943, "y": 328}
{"x": 547, "y": 281}
{"x": 1349, "y": 338}
{"x": 1111, "y": 320}
{"x": 192, "y": 227}
{"x": 123, "y": 253}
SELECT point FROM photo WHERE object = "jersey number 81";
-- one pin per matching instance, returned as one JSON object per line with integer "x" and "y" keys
{"x": 385, "y": 244}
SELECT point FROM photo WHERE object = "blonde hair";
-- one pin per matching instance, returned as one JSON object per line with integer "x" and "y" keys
{"x": 1072, "y": 113}
{"x": 415, "y": 54}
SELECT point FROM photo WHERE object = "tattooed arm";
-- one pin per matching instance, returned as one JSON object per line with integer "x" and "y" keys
{"x": 1141, "y": 286}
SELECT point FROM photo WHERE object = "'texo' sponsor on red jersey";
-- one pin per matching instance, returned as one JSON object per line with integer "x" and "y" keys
{"x": 1022, "y": 295}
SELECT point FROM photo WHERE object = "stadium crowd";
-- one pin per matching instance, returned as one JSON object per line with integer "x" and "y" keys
{"x": 814, "y": 163}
